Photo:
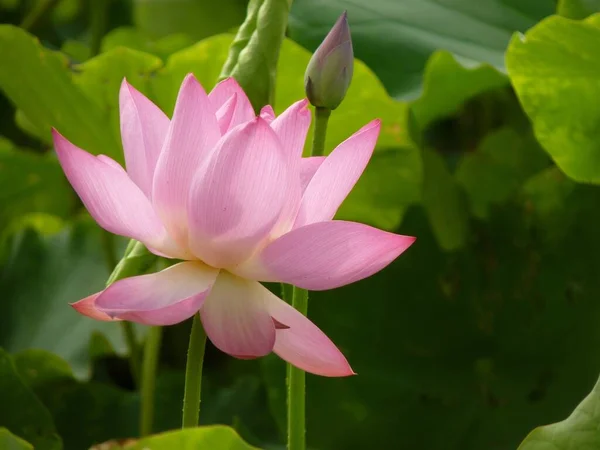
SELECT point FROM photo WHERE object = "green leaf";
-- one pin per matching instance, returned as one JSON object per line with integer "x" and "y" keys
{"x": 254, "y": 53}
{"x": 66, "y": 267}
{"x": 32, "y": 182}
{"x": 447, "y": 84}
{"x": 546, "y": 195}
{"x": 547, "y": 191}
{"x": 553, "y": 70}
{"x": 214, "y": 437}
{"x": 203, "y": 59}
{"x": 197, "y": 18}
{"x": 22, "y": 413}
{"x": 579, "y": 431}
{"x": 38, "y": 82}
{"x": 498, "y": 168}
{"x": 577, "y": 9}
{"x": 100, "y": 79}
{"x": 135, "y": 40}
{"x": 9, "y": 441}
{"x": 443, "y": 202}
{"x": 38, "y": 367}
{"x": 390, "y": 183}
{"x": 395, "y": 38}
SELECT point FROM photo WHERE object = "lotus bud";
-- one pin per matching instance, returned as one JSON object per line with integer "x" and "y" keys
{"x": 330, "y": 69}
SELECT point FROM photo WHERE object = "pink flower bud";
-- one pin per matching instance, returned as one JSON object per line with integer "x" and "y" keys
{"x": 330, "y": 69}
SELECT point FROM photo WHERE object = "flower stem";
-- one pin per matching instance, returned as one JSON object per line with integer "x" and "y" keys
{"x": 193, "y": 374}
{"x": 110, "y": 255}
{"x": 296, "y": 378}
{"x": 297, "y": 388}
{"x": 321, "y": 120}
{"x": 148, "y": 382}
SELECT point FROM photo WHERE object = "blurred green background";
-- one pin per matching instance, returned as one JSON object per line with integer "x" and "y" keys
{"x": 486, "y": 328}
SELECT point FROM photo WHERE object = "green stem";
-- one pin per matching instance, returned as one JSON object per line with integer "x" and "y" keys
{"x": 193, "y": 374}
{"x": 110, "y": 255}
{"x": 321, "y": 120}
{"x": 98, "y": 23}
{"x": 296, "y": 378}
{"x": 151, "y": 353}
{"x": 297, "y": 388}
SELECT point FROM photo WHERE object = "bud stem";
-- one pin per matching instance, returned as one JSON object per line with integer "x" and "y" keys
{"x": 321, "y": 120}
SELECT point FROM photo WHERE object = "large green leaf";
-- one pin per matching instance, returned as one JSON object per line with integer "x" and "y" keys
{"x": 38, "y": 82}
{"x": 553, "y": 69}
{"x": 9, "y": 441}
{"x": 197, "y": 18}
{"x": 578, "y": 432}
{"x": 134, "y": 39}
{"x": 496, "y": 170}
{"x": 100, "y": 79}
{"x": 444, "y": 203}
{"x": 214, "y": 438}
{"x": 22, "y": 413}
{"x": 65, "y": 267}
{"x": 546, "y": 195}
{"x": 31, "y": 182}
{"x": 395, "y": 37}
{"x": 447, "y": 85}
{"x": 577, "y": 9}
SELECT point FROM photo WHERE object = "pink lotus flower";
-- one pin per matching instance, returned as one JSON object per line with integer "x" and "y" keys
{"x": 230, "y": 195}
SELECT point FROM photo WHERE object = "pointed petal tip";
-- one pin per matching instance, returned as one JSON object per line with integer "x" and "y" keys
{"x": 87, "y": 307}
{"x": 190, "y": 79}
{"x": 59, "y": 142}
{"x": 341, "y": 371}
{"x": 375, "y": 123}
{"x": 231, "y": 81}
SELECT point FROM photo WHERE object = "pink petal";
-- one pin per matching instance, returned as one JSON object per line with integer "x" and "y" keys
{"x": 238, "y": 197}
{"x": 162, "y": 298}
{"x": 291, "y": 126}
{"x": 236, "y": 318}
{"x": 267, "y": 113}
{"x": 169, "y": 315}
{"x": 143, "y": 130}
{"x": 112, "y": 199}
{"x": 308, "y": 167}
{"x": 337, "y": 175}
{"x": 303, "y": 344}
{"x": 193, "y": 133}
{"x": 87, "y": 307}
{"x": 225, "y": 113}
{"x": 223, "y": 91}
{"x": 326, "y": 255}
